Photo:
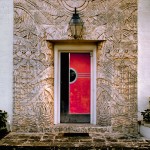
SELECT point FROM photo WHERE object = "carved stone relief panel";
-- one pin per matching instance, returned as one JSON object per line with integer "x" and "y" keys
{"x": 33, "y": 75}
{"x": 113, "y": 21}
{"x": 117, "y": 69}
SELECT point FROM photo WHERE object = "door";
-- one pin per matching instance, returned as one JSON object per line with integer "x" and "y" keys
{"x": 75, "y": 87}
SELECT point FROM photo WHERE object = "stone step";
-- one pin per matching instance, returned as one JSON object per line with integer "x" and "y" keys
{"x": 78, "y": 128}
{"x": 71, "y": 141}
{"x": 71, "y": 148}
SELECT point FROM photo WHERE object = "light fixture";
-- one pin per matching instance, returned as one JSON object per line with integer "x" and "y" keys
{"x": 76, "y": 26}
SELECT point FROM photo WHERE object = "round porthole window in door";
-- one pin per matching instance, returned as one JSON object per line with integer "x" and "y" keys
{"x": 73, "y": 75}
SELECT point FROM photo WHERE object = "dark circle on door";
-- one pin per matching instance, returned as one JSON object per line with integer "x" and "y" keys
{"x": 73, "y": 75}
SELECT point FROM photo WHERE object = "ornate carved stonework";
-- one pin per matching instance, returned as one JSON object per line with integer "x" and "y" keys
{"x": 113, "y": 21}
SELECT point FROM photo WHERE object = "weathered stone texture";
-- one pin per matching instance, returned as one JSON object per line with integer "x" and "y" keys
{"x": 113, "y": 21}
{"x": 51, "y": 141}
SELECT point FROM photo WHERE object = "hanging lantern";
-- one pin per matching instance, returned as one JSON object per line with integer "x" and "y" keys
{"x": 76, "y": 26}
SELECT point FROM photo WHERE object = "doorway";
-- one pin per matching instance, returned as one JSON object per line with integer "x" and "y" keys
{"x": 75, "y": 83}
{"x": 75, "y": 88}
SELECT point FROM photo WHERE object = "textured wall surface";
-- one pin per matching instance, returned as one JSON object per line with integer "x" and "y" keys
{"x": 114, "y": 21}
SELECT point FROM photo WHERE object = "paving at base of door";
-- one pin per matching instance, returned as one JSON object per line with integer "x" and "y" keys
{"x": 72, "y": 141}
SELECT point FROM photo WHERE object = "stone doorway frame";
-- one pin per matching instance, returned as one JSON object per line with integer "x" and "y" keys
{"x": 74, "y": 47}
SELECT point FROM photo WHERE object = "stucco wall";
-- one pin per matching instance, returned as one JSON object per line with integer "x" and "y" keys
{"x": 116, "y": 60}
{"x": 6, "y": 56}
{"x": 143, "y": 61}
{"x": 143, "y": 55}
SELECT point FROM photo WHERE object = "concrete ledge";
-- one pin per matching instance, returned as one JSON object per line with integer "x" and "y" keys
{"x": 79, "y": 128}
{"x": 145, "y": 130}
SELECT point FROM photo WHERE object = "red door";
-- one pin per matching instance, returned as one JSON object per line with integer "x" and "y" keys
{"x": 79, "y": 99}
{"x": 75, "y": 87}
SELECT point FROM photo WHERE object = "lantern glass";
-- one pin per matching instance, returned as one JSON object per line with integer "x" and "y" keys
{"x": 76, "y": 26}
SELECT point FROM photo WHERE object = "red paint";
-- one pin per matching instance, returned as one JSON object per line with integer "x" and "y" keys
{"x": 80, "y": 90}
